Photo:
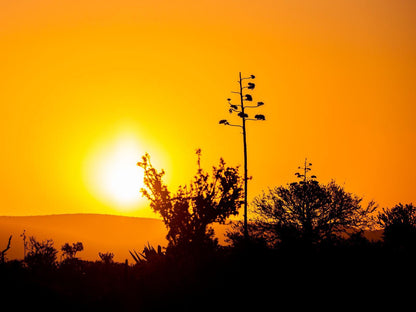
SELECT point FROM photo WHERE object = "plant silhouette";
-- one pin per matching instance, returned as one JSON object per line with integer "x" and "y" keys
{"x": 69, "y": 251}
{"x": 189, "y": 212}
{"x": 40, "y": 254}
{"x": 399, "y": 225}
{"x": 106, "y": 257}
{"x": 339, "y": 261}
{"x": 308, "y": 212}
{"x": 241, "y": 110}
{"x": 4, "y": 251}
{"x": 149, "y": 254}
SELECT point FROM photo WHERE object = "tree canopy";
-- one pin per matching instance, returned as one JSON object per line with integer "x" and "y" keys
{"x": 399, "y": 224}
{"x": 188, "y": 213}
{"x": 309, "y": 212}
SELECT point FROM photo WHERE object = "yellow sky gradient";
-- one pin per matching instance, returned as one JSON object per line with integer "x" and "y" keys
{"x": 337, "y": 78}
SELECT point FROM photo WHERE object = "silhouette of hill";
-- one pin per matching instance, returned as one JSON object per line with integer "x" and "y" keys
{"x": 98, "y": 233}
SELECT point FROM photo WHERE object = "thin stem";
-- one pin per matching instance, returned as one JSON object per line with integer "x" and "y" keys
{"x": 245, "y": 159}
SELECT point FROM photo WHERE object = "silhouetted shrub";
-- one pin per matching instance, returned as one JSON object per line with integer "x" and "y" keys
{"x": 149, "y": 254}
{"x": 69, "y": 251}
{"x": 306, "y": 212}
{"x": 106, "y": 257}
{"x": 40, "y": 255}
{"x": 189, "y": 213}
{"x": 309, "y": 212}
{"x": 399, "y": 225}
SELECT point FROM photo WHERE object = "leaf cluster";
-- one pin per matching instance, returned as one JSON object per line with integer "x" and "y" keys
{"x": 149, "y": 254}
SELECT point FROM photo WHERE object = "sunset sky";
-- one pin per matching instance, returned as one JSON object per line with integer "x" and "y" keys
{"x": 87, "y": 87}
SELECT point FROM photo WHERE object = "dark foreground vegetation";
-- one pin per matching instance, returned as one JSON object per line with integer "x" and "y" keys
{"x": 306, "y": 249}
{"x": 252, "y": 277}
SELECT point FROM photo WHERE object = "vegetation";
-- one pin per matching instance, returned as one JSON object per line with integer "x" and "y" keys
{"x": 399, "y": 226}
{"x": 4, "y": 251}
{"x": 240, "y": 110}
{"x": 149, "y": 254}
{"x": 106, "y": 257}
{"x": 189, "y": 213}
{"x": 69, "y": 251}
{"x": 307, "y": 243}
{"x": 41, "y": 254}
{"x": 308, "y": 212}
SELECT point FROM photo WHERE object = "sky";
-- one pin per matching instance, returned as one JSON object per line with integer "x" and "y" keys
{"x": 87, "y": 87}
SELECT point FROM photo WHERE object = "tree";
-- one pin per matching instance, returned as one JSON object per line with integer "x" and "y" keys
{"x": 40, "y": 254}
{"x": 4, "y": 251}
{"x": 308, "y": 212}
{"x": 69, "y": 251}
{"x": 399, "y": 225}
{"x": 189, "y": 212}
{"x": 240, "y": 110}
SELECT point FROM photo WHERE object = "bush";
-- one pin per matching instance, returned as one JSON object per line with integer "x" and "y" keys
{"x": 399, "y": 224}
{"x": 40, "y": 254}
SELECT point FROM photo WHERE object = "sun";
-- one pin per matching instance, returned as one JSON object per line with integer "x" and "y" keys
{"x": 120, "y": 175}
{"x": 112, "y": 173}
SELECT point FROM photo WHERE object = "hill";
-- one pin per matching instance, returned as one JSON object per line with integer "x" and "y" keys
{"x": 98, "y": 233}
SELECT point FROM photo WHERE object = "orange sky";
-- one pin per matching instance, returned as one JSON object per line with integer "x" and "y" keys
{"x": 78, "y": 77}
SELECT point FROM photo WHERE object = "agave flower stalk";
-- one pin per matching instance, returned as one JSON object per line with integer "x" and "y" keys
{"x": 240, "y": 110}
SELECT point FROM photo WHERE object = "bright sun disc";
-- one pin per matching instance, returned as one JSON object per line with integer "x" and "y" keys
{"x": 113, "y": 174}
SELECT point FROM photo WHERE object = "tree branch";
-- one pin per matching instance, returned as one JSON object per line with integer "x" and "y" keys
{"x": 3, "y": 253}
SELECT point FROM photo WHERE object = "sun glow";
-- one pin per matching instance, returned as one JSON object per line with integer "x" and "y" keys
{"x": 112, "y": 174}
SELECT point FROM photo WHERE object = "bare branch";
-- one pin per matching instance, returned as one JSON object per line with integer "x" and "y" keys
{"x": 3, "y": 253}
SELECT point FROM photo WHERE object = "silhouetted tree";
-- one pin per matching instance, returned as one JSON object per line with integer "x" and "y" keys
{"x": 308, "y": 212}
{"x": 69, "y": 251}
{"x": 188, "y": 213}
{"x": 40, "y": 254}
{"x": 4, "y": 251}
{"x": 399, "y": 225}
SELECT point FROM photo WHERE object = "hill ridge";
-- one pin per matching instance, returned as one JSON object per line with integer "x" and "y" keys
{"x": 77, "y": 214}
{"x": 97, "y": 232}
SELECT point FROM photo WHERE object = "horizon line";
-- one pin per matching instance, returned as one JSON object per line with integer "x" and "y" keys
{"x": 76, "y": 214}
